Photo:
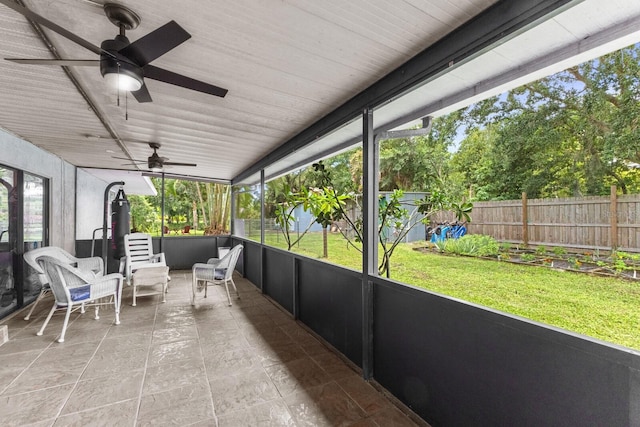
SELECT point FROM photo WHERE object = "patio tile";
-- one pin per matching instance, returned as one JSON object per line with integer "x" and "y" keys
{"x": 183, "y": 406}
{"x": 268, "y": 414}
{"x": 125, "y": 342}
{"x": 117, "y": 414}
{"x": 333, "y": 365}
{"x": 297, "y": 375}
{"x": 279, "y": 353}
{"x": 393, "y": 417}
{"x": 170, "y": 376}
{"x": 107, "y": 362}
{"x": 219, "y": 364}
{"x": 367, "y": 397}
{"x": 238, "y": 391}
{"x": 174, "y": 352}
{"x": 12, "y": 366}
{"x": 267, "y": 336}
{"x": 26, "y": 344}
{"x": 33, "y": 407}
{"x": 40, "y": 377}
{"x": 174, "y": 333}
{"x": 325, "y": 405}
{"x": 174, "y": 321}
{"x": 102, "y": 391}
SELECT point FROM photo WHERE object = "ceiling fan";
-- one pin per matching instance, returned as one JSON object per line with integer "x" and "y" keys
{"x": 122, "y": 63}
{"x": 154, "y": 161}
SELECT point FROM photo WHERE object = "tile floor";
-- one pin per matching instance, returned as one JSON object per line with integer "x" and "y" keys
{"x": 173, "y": 364}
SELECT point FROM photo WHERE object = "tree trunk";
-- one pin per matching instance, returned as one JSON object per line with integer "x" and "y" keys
{"x": 325, "y": 243}
{"x": 204, "y": 215}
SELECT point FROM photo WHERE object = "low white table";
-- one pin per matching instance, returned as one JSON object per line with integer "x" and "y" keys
{"x": 150, "y": 277}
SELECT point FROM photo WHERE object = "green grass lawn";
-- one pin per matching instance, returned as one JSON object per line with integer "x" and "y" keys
{"x": 601, "y": 307}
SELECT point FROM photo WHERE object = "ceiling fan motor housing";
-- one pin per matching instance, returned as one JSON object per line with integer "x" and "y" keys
{"x": 154, "y": 162}
{"x": 118, "y": 64}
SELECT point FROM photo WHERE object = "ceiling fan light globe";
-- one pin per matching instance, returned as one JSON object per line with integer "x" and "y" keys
{"x": 123, "y": 81}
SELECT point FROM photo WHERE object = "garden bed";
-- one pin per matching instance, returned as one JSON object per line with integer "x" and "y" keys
{"x": 618, "y": 264}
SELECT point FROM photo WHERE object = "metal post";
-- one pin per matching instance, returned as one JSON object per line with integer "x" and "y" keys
{"x": 370, "y": 238}
{"x": 162, "y": 212}
{"x": 262, "y": 225}
{"x": 105, "y": 245}
{"x": 525, "y": 220}
{"x": 613, "y": 212}
{"x": 233, "y": 211}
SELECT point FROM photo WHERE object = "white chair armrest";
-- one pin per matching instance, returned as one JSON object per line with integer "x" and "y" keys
{"x": 92, "y": 264}
{"x": 159, "y": 258}
{"x": 214, "y": 261}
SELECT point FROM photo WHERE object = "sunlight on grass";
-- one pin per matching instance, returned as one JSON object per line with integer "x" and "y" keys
{"x": 601, "y": 307}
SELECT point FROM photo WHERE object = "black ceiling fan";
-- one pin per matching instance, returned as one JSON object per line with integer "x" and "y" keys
{"x": 125, "y": 63}
{"x": 154, "y": 161}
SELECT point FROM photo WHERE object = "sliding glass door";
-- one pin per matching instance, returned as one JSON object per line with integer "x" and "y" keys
{"x": 8, "y": 235}
{"x": 23, "y": 226}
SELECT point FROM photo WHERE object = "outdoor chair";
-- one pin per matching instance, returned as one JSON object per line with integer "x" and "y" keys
{"x": 93, "y": 265}
{"x": 73, "y": 287}
{"x": 216, "y": 271}
{"x": 186, "y": 229}
{"x": 138, "y": 249}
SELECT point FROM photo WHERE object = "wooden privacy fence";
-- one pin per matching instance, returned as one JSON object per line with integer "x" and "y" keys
{"x": 588, "y": 223}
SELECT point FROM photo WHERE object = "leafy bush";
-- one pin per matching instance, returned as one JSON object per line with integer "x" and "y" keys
{"x": 528, "y": 257}
{"x": 559, "y": 251}
{"x": 471, "y": 244}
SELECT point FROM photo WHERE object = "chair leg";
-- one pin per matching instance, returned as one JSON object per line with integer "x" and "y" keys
{"x": 97, "y": 312}
{"x": 116, "y": 305}
{"x": 46, "y": 321}
{"x": 206, "y": 286}
{"x": 66, "y": 322}
{"x": 164, "y": 291}
{"x": 43, "y": 292}
{"x": 226, "y": 286}
{"x": 134, "y": 295}
{"x": 194, "y": 282}
{"x": 235, "y": 288}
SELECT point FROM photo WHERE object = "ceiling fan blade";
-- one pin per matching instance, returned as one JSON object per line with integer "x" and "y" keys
{"x": 142, "y": 94}
{"x": 156, "y": 43}
{"x": 62, "y": 62}
{"x": 178, "y": 164}
{"x": 51, "y": 25}
{"x": 170, "y": 77}
{"x": 131, "y": 160}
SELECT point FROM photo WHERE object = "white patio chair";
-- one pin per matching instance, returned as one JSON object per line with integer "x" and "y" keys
{"x": 138, "y": 249}
{"x": 92, "y": 265}
{"x": 216, "y": 271}
{"x": 73, "y": 287}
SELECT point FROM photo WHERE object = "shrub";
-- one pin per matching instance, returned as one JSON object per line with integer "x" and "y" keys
{"x": 528, "y": 257}
{"x": 472, "y": 244}
{"x": 505, "y": 246}
{"x": 541, "y": 250}
{"x": 559, "y": 250}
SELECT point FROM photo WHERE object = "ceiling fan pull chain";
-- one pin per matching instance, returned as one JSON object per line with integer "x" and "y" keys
{"x": 118, "y": 86}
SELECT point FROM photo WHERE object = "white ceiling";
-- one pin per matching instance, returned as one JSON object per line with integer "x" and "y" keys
{"x": 285, "y": 63}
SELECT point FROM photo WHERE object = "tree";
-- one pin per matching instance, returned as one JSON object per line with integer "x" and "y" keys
{"x": 144, "y": 218}
{"x": 391, "y": 215}
{"x": 218, "y": 203}
{"x": 570, "y": 134}
{"x": 421, "y": 162}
